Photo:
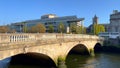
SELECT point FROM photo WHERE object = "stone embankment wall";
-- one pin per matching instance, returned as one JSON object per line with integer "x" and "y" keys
{"x": 112, "y": 45}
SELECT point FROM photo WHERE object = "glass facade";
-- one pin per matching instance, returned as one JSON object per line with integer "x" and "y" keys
{"x": 66, "y": 20}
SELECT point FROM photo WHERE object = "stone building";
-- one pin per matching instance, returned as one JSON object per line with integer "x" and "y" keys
{"x": 114, "y": 25}
{"x": 49, "y": 19}
{"x": 94, "y": 21}
{"x": 113, "y": 28}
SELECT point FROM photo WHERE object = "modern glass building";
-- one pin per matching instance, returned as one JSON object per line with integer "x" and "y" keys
{"x": 49, "y": 19}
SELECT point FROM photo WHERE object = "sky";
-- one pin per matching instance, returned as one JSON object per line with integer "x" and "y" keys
{"x": 12, "y": 11}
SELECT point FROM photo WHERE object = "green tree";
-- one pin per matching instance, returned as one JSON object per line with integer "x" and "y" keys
{"x": 38, "y": 28}
{"x": 102, "y": 28}
{"x": 80, "y": 30}
{"x": 4, "y": 29}
{"x": 98, "y": 28}
{"x": 24, "y": 29}
{"x": 77, "y": 29}
{"x": 84, "y": 30}
{"x": 61, "y": 27}
{"x": 33, "y": 29}
{"x": 73, "y": 28}
{"x": 51, "y": 28}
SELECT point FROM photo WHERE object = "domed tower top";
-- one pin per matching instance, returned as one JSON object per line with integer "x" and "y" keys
{"x": 95, "y": 20}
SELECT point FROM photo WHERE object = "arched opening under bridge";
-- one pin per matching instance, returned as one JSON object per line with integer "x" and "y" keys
{"x": 32, "y": 59}
{"x": 98, "y": 48}
{"x": 76, "y": 54}
{"x": 79, "y": 49}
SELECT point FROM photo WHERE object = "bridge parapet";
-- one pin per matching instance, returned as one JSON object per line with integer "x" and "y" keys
{"x": 24, "y": 37}
{"x": 31, "y": 39}
{"x": 52, "y": 45}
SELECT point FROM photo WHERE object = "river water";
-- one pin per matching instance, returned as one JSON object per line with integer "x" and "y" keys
{"x": 101, "y": 60}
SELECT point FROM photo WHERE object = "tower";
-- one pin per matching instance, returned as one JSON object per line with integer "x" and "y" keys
{"x": 95, "y": 20}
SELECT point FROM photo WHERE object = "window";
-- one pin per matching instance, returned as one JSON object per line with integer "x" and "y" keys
{"x": 45, "y": 23}
{"x": 116, "y": 29}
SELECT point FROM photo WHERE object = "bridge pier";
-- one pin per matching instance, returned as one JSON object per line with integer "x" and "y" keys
{"x": 61, "y": 62}
{"x": 92, "y": 52}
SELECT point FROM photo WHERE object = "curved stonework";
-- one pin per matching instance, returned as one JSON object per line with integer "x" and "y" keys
{"x": 54, "y": 46}
{"x": 87, "y": 44}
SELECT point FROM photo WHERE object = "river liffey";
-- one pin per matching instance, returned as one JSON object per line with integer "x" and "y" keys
{"x": 101, "y": 60}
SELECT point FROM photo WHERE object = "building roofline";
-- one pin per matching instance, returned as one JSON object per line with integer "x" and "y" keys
{"x": 115, "y": 14}
{"x": 49, "y": 14}
{"x": 74, "y": 16}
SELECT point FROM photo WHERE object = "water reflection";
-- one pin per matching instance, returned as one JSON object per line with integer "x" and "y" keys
{"x": 5, "y": 62}
{"x": 99, "y": 61}
{"x": 62, "y": 64}
{"x": 79, "y": 61}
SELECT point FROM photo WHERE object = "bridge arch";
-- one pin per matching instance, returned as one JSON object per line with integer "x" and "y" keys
{"x": 78, "y": 48}
{"x": 43, "y": 51}
{"x": 33, "y": 58}
{"x": 38, "y": 49}
{"x": 98, "y": 47}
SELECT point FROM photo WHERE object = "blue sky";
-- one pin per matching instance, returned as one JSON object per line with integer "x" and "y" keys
{"x": 20, "y": 10}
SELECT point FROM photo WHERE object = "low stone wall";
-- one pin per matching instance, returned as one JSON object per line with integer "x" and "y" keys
{"x": 52, "y": 45}
{"x": 24, "y": 37}
{"x": 112, "y": 42}
{"x": 111, "y": 45}
{"x": 15, "y": 40}
{"x": 111, "y": 49}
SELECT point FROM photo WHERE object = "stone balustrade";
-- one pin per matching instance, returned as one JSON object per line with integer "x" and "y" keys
{"x": 15, "y": 40}
{"x": 24, "y": 37}
{"x": 52, "y": 45}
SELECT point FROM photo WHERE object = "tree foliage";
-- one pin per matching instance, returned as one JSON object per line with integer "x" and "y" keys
{"x": 98, "y": 28}
{"x": 38, "y": 28}
{"x": 73, "y": 28}
{"x": 77, "y": 29}
{"x": 25, "y": 29}
{"x": 33, "y": 29}
{"x": 4, "y": 29}
{"x": 80, "y": 30}
{"x": 51, "y": 28}
{"x": 61, "y": 27}
{"x": 12, "y": 31}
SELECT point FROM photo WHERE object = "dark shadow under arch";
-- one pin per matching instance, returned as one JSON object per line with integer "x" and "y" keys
{"x": 79, "y": 49}
{"x": 98, "y": 48}
{"x": 33, "y": 59}
{"x": 75, "y": 55}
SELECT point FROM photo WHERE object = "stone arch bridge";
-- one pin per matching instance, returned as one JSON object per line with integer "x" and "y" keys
{"x": 53, "y": 45}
